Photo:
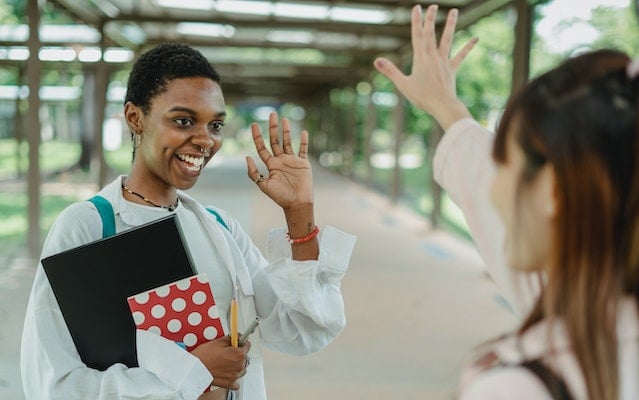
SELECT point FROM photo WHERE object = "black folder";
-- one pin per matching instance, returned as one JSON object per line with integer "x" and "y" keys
{"x": 92, "y": 282}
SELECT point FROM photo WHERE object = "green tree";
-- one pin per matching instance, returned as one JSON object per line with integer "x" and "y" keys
{"x": 7, "y": 15}
{"x": 484, "y": 78}
{"x": 618, "y": 28}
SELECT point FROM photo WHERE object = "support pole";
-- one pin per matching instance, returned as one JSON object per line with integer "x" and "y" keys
{"x": 34, "y": 71}
{"x": 521, "y": 50}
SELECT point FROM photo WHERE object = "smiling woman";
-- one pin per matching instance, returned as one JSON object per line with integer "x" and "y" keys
{"x": 175, "y": 111}
{"x": 177, "y": 137}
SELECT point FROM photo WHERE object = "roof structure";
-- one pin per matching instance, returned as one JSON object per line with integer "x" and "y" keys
{"x": 291, "y": 50}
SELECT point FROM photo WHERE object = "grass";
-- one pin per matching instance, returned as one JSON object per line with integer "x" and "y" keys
{"x": 13, "y": 214}
{"x": 14, "y": 157}
{"x": 54, "y": 155}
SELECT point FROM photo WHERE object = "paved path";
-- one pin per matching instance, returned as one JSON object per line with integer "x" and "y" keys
{"x": 417, "y": 300}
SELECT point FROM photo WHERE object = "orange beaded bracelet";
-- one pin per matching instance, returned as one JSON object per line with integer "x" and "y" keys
{"x": 304, "y": 239}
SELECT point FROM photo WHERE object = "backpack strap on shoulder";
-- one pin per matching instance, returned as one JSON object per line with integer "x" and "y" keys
{"x": 108, "y": 218}
{"x": 106, "y": 214}
{"x": 554, "y": 383}
{"x": 218, "y": 217}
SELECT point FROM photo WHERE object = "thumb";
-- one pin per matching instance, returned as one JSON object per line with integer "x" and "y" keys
{"x": 390, "y": 70}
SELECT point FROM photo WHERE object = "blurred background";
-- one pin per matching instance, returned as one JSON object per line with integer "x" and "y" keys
{"x": 63, "y": 71}
{"x": 309, "y": 60}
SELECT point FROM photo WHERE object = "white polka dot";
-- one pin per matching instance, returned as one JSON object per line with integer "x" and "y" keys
{"x": 184, "y": 284}
{"x": 142, "y": 298}
{"x": 155, "y": 329}
{"x": 158, "y": 311}
{"x": 190, "y": 339}
{"x": 199, "y": 297}
{"x": 138, "y": 318}
{"x": 202, "y": 278}
{"x": 195, "y": 318}
{"x": 163, "y": 291}
{"x": 210, "y": 333}
{"x": 174, "y": 325}
{"x": 178, "y": 304}
{"x": 213, "y": 313}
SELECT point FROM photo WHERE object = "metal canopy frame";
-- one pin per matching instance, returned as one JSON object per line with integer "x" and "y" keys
{"x": 333, "y": 53}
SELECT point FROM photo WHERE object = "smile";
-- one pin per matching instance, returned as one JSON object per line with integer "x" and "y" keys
{"x": 194, "y": 163}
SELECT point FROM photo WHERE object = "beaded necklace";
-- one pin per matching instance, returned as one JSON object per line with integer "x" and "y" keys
{"x": 172, "y": 207}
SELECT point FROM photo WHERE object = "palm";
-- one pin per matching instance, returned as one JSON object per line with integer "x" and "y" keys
{"x": 290, "y": 178}
{"x": 431, "y": 83}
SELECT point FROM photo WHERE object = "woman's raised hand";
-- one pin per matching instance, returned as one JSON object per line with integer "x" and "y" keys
{"x": 290, "y": 180}
{"x": 431, "y": 83}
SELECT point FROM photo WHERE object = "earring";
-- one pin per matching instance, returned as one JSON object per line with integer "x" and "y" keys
{"x": 137, "y": 139}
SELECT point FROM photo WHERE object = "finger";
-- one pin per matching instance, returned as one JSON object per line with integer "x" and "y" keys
{"x": 253, "y": 173}
{"x": 260, "y": 146}
{"x": 430, "y": 39}
{"x": 286, "y": 136}
{"x": 416, "y": 33}
{"x": 251, "y": 169}
{"x": 456, "y": 61}
{"x": 390, "y": 70}
{"x": 274, "y": 134}
{"x": 447, "y": 36}
{"x": 303, "y": 153}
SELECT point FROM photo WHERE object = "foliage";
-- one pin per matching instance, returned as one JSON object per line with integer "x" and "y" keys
{"x": 7, "y": 13}
{"x": 49, "y": 13}
{"x": 619, "y": 29}
{"x": 484, "y": 78}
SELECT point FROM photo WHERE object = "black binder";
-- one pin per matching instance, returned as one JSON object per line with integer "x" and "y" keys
{"x": 92, "y": 282}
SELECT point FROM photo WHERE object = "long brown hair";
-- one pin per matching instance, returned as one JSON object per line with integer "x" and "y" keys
{"x": 581, "y": 119}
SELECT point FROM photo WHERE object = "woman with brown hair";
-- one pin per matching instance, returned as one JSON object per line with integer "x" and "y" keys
{"x": 565, "y": 185}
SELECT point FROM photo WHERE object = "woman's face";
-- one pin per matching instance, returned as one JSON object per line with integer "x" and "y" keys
{"x": 526, "y": 209}
{"x": 181, "y": 132}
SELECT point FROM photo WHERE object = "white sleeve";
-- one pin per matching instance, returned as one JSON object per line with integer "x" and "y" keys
{"x": 512, "y": 383}
{"x": 299, "y": 302}
{"x": 463, "y": 166}
{"x": 50, "y": 365}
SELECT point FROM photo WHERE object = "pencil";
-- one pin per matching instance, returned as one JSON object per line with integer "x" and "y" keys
{"x": 233, "y": 323}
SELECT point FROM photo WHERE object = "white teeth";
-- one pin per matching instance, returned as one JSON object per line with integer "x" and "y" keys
{"x": 195, "y": 161}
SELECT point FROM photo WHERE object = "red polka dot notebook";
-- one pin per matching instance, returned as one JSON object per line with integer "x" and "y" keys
{"x": 183, "y": 311}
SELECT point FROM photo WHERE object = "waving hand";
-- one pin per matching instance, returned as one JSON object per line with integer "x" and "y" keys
{"x": 290, "y": 180}
{"x": 431, "y": 83}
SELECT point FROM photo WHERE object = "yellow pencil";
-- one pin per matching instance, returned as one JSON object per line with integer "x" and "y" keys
{"x": 233, "y": 323}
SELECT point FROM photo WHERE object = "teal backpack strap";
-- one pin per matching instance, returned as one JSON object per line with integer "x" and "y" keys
{"x": 218, "y": 217}
{"x": 106, "y": 214}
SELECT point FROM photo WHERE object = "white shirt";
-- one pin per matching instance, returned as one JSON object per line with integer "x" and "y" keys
{"x": 299, "y": 303}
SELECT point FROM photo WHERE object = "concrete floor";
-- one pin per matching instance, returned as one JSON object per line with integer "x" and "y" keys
{"x": 417, "y": 299}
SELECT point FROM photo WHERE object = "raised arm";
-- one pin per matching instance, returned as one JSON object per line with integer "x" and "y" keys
{"x": 289, "y": 184}
{"x": 462, "y": 163}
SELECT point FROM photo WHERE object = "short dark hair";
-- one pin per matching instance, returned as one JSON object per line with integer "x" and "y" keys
{"x": 154, "y": 69}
